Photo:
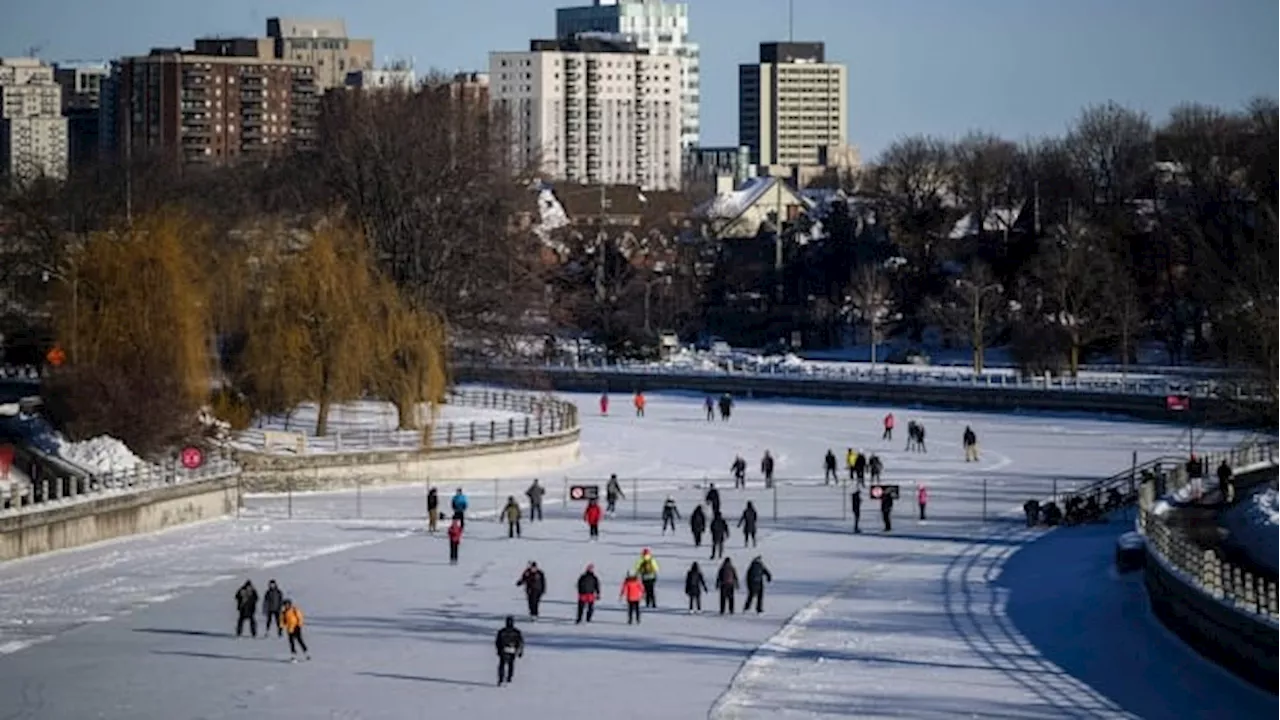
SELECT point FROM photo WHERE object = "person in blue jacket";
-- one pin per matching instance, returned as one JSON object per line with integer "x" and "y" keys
{"x": 459, "y": 506}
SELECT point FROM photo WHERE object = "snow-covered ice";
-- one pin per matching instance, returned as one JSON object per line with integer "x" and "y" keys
{"x": 951, "y": 617}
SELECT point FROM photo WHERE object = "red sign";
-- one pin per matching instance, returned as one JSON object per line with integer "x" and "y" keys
{"x": 584, "y": 492}
{"x": 1177, "y": 403}
{"x": 192, "y": 457}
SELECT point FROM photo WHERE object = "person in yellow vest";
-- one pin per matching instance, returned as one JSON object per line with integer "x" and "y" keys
{"x": 647, "y": 569}
{"x": 851, "y": 459}
{"x": 291, "y": 619}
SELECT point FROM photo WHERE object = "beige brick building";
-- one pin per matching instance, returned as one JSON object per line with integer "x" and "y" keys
{"x": 793, "y": 107}
{"x": 323, "y": 44}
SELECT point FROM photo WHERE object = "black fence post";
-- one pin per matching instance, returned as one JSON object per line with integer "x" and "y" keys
{"x": 511, "y": 428}
{"x": 493, "y": 430}
{"x": 472, "y": 426}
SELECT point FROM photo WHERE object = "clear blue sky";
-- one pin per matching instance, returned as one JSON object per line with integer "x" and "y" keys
{"x": 1016, "y": 67}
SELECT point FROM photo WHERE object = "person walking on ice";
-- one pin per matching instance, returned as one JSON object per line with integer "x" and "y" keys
{"x": 698, "y": 525}
{"x": 670, "y": 514}
{"x": 455, "y": 539}
{"x": 757, "y": 576}
{"x": 970, "y": 445}
{"x": 713, "y": 499}
{"x": 511, "y": 513}
{"x": 612, "y": 493}
{"x": 922, "y": 499}
{"x": 829, "y": 468}
{"x": 459, "y": 505}
{"x": 694, "y": 586}
{"x": 632, "y": 593}
{"x": 588, "y": 594}
{"x": 272, "y": 606}
{"x": 591, "y": 516}
{"x": 886, "y": 509}
{"x": 888, "y": 427}
{"x": 719, "y": 533}
{"x": 292, "y": 621}
{"x": 247, "y": 607}
{"x": 748, "y": 524}
{"x": 535, "y": 494}
{"x": 647, "y": 569}
{"x": 855, "y": 504}
{"x": 875, "y": 466}
{"x": 534, "y": 583}
{"x": 739, "y": 470}
{"x": 727, "y": 584}
{"x": 766, "y": 469}
{"x": 710, "y": 406}
{"x": 604, "y": 404}
{"x": 433, "y": 510}
{"x": 510, "y": 645}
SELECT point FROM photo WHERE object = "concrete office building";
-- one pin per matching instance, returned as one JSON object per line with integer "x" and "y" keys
{"x": 793, "y": 107}
{"x": 660, "y": 27}
{"x": 82, "y": 88}
{"x": 225, "y": 100}
{"x": 33, "y": 132}
{"x": 324, "y": 45}
{"x": 592, "y": 110}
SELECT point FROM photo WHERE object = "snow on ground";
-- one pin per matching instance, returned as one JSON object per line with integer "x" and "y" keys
{"x": 948, "y": 617}
{"x": 103, "y": 454}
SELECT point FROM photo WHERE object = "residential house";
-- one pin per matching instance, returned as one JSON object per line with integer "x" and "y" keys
{"x": 754, "y": 205}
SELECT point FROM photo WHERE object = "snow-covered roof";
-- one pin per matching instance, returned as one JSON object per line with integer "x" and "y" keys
{"x": 551, "y": 217}
{"x": 997, "y": 220}
{"x": 728, "y": 206}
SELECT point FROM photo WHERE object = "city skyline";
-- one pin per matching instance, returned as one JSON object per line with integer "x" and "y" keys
{"x": 918, "y": 66}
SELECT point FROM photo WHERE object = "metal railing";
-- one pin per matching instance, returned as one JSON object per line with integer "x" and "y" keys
{"x": 47, "y": 490}
{"x": 538, "y": 416}
{"x": 908, "y": 375}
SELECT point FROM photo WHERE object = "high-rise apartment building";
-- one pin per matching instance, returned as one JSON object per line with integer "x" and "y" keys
{"x": 33, "y": 133}
{"x": 592, "y": 110}
{"x": 660, "y": 27}
{"x": 324, "y": 45}
{"x": 793, "y": 106}
{"x": 82, "y": 87}
{"x": 227, "y": 99}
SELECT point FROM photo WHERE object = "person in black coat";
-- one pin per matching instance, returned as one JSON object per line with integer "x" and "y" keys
{"x": 748, "y": 524}
{"x": 694, "y": 586}
{"x": 829, "y": 468}
{"x": 727, "y": 584}
{"x": 719, "y": 533}
{"x": 855, "y": 504}
{"x": 713, "y": 499}
{"x": 433, "y": 509}
{"x": 1226, "y": 482}
{"x": 875, "y": 466}
{"x": 588, "y": 593}
{"x": 247, "y": 606}
{"x": 886, "y": 509}
{"x": 535, "y": 586}
{"x": 510, "y": 645}
{"x": 739, "y": 469}
{"x": 757, "y": 576}
{"x": 698, "y": 524}
{"x": 670, "y": 514}
{"x": 766, "y": 469}
{"x": 272, "y": 606}
{"x": 860, "y": 467}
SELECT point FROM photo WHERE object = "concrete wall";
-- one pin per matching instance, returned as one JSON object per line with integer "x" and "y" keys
{"x": 978, "y": 397}
{"x": 59, "y": 527}
{"x": 336, "y": 471}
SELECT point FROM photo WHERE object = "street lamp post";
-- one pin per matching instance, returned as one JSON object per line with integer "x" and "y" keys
{"x": 74, "y": 281}
{"x": 978, "y": 293}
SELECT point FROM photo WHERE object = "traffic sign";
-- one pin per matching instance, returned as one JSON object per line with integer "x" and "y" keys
{"x": 878, "y": 491}
{"x": 584, "y": 492}
{"x": 192, "y": 457}
{"x": 1177, "y": 403}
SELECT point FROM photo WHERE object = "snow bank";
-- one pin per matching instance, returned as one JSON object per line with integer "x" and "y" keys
{"x": 103, "y": 454}
{"x": 1265, "y": 509}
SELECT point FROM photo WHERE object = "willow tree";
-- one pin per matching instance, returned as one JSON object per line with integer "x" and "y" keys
{"x": 408, "y": 367}
{"x": 131, "y": 314}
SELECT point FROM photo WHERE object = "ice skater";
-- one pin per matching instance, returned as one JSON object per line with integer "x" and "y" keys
{"x": 455, "y": 539}
{"x": 247, "y": 606}
{"x": 710, "y": 406}
{"x": 886, "y": 509}
{"x": 739, "y": 470}
{"x": 459, "y": 506}
{"x": 719, "y": 533}
{"x": 970, "y": 445}
{"x": 766, "y": 469}
{"x": 727, "y": 584}
{"x": 748, "y": 524}
{"x": 855, "y": 504}
{"x": 697, "y": 525}
{"x": 292, "y": 618}
{"x": 534, "y": 583}
{"x": 272, "y": 606}
{"x": 433, "y": 510}
{"x": 829, "y": 468}
{"x": 591, "y": 516}
{"x": 511, "y": 513}
{"x": 888, "y": 427}
{"x": 757, "y": 576}
{"x": 670, "y": 514}
{"x": 922, "y": 499}
{"x": 632, "y": 592}
{"x": 588, "y": 594}
{"x": 694, "y": 586}
{"x": 647, "y": 570}
{"x": 510, "y": 645}
{"x": 612, "y": 493}
{"x": 535, "y": 493}
{"x": 639, "y": 403}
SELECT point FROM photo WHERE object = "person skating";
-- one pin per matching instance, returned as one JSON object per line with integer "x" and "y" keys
{"x": 713, "y": 499}
{"x": 913, "y": 431}
{"x": 855, "y": 504}
{"x": 726, "y": 407}
{"x": 694, "y": 586}
{"x": 829, "y": 468}
{"x": 433, "y": 510}
{"x": 860, "y": 468}
{"x": 710, "y": 406}
{"x": 588, "y": 594}
{"x": 511, "y": 513}
{"x": 272, "y": 606}
{"x": 886, "y": 509}
{"x": 698, "y": 525}
{"x": 757, "y": 576}
{"x": 455, "y": 539}
{"x": 612, "y": 492}
{"x": 766, "y": 469}
{"x": 632, "y": 592}
{"x": 970, "y": 445}
{"x": 748, "y": 524}
{"x": 459, "y": 505}
{"x": 639, "y": 402}
{"x": 920, "y": 446}
{"x": 739, "y": 470}
{"x": 535, "y": 494}
{"x": 247, "y": 607}
{"x": 647, "y": 570}
{"x": 727, "y": 584}
{"x": 719, "y": 533}
{"x": 592, "y": 517}
{"x": 888, "y": 427}
{"x": 850, "y": 460}
{"x": 875, "y": 466}
{"x": 604, "y": 404}
{"x": 510, "y": 645}
{"x": 922, "y": 499}
{"x": 291, "y": 618}
{"x": 670, "y": 514}
{"x": 534, "y": 583}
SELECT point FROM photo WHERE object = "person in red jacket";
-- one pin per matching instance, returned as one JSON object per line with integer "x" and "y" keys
{"x": 888, "y": 427}
{"x": 633, "y": 592}
{"x": 604, "y": 403}
{"x": 922, "y": 498}
{"x": 455, "y": 539}
{"x": 592, "y": 516}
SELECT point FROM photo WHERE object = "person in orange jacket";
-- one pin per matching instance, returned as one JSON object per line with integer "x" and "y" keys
{"x": 633, "y": 592}
{"x": 592, "y": 517}
{"x": 291, "y": 618}
{"x": 639, "y": 404}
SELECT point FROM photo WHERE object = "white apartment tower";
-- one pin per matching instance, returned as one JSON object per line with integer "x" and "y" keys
{"x": 33, "y": 132}
{"x": 793, "y": 106}
{"x": 592, "y": 110}
{"x": 660, "y": 27}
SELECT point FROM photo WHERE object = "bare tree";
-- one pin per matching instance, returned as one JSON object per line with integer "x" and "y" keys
{"x": 974, "y": 307}
{"x": 910, "y": 182}
{"x": 1112, "y": 157}
{"x": 984, "y": 176}
{"x": 869, "y": 300}
{"x": 1074, "y": 276}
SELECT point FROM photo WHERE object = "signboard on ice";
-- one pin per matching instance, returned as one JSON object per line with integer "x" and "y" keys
{"x": 583, "y": 493}
{"x": 1177, "y": 403}
{"x": 877, "y": 491}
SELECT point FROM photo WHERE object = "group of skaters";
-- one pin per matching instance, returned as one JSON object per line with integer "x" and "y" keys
{"x": 638, "y": 401}
{"x": 739, "y": 470}
{"x": 722, "y": 404}
{"x": 277, "y": 610}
